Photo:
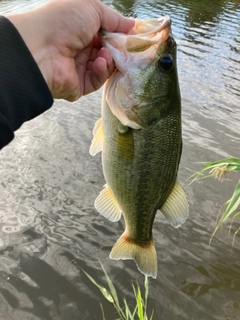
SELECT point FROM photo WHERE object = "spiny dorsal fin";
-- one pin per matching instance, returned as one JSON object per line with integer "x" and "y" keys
{"x": 175, "y": 208}
{"x": 107, "y": 206}
{"x": 143, "y": 254}
{"x": 97, "y": 141}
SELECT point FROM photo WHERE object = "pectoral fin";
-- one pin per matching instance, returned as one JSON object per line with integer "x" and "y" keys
{"x": 175, "y": 208}
{"x": 98, "y": 136}
{"x": 107, "y": 206}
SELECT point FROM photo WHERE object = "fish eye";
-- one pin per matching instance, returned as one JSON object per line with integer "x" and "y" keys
{"x": 165, "y": 62}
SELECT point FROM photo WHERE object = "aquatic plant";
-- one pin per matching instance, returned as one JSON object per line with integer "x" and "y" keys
{"x": 218, "y": 169}
{"x": 125, "y": 312}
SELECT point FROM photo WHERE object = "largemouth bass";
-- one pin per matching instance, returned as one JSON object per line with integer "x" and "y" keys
{"x": 139, "y": 135}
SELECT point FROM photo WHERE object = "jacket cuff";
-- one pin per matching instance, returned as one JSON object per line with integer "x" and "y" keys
{"x": 24, "y": 93}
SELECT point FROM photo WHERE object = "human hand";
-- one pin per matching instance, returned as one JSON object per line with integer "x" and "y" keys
{"x": 62, "y": 37}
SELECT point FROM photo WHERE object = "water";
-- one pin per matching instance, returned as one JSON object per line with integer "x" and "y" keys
{"x": 49, "y": 229}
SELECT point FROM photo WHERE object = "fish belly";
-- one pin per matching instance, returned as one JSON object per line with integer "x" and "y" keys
{"x": 140, "y": 167}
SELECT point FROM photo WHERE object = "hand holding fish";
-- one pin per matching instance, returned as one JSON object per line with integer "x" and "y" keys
{"x": 62, "y": 37}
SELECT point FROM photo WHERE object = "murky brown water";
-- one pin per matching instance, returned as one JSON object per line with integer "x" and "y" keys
{"x": 49, "y": 228}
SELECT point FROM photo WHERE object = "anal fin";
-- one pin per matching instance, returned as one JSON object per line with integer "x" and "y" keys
{"x": 107, "y": 206}
{"x": 175, "y": 208}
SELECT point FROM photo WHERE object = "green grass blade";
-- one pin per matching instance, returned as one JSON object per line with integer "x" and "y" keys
{"x": 223, "y": 162}
{"x": 128, "y": 313}
{"x": 235, "y": 236}
{"x": 228, "y": 164}
{"x": 102, "y": 312}
{"x": 103, "y": 290}
{"x": 114, "y": 295}
{"x": 146, "y": 285}
{"x": 233, "y": 204}
{"x": 151, "y": 318}
{"x": 135, "y": 292}
{"x": 124, "y": 313}
{"x": 139, "y": 304}
{"x": 134, "y": 312}
{"x": 218, "y": 169}
{"x": 199, "y": 175}
{"x": 111, "y": 287}
{"x": 233, "y": 167}
{"x": 237, "y": 214}
{"x": 136, "y": 298}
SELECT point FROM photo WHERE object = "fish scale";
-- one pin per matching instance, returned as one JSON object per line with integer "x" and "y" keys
{"x": 153, "y": 167}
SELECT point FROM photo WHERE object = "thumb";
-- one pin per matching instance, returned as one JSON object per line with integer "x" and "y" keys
{"x": 114, "y": 21}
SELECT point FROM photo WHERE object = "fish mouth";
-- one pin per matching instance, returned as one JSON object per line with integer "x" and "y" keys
{"x": 141, "y": 27}
{"x": 140, "y": 44}
{"x": 148, "y": 27}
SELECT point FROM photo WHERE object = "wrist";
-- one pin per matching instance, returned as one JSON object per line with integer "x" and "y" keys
{"x": 32, "y": 34}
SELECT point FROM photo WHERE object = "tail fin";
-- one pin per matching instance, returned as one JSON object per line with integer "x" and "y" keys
{"x": 144, "y": 254}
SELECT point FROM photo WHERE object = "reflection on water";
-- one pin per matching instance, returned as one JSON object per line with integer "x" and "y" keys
{"x": 123, "y": 6}
{"x": 49, "y": 229}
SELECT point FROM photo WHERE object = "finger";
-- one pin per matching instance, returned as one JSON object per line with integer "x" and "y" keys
{"x": 89, "y": 53}
{"x": 106, "y": 54}
{"x": 100, "y": 51}
{"x": 96, "y": 77}
{"x": 114, "y": 21}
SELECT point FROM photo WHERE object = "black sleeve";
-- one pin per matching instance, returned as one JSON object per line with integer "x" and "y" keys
{"x": 23, "y": 91}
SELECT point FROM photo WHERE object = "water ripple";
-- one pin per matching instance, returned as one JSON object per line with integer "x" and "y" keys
{"x": 49, "y": 229}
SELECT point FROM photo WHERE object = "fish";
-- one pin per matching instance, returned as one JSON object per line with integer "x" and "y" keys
{"x": 140, "y": 137}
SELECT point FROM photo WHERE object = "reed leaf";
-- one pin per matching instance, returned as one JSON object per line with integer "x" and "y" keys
{"x": 218, "y": 169}
{"x": 111, "y": 288}
{"x": 232, "y": 205}
{"x": 227, "y": 165}
{"x": 102, "y": 312}
{"x": 103, "y": 290}
{"x": 125, "y": 313}
{"x": 139, "y": 304}
{"x": 146, "y": 283}
{"x": 129, "y": 315}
